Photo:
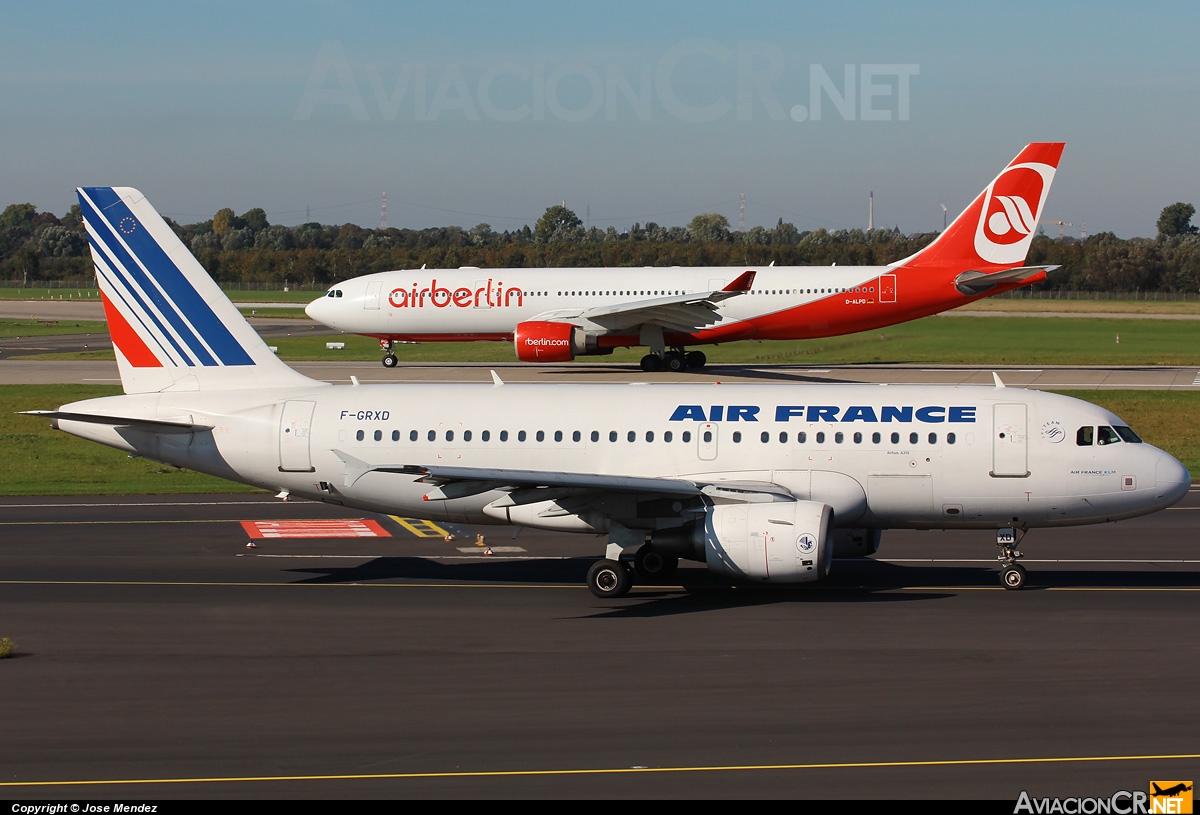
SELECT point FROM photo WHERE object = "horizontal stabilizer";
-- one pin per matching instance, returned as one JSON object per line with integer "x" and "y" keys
{"x": 155, "y": 425}
{"x": 972, "y": 283}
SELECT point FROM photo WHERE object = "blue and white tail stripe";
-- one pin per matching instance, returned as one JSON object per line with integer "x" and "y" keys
{"x": 168, "y": 311}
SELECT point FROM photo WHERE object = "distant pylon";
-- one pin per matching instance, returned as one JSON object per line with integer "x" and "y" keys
{"x": 871, "y": 211}
{"x": 742, "y": 213}
{"x": 1083, "y": 231}
{"x": 383, "y": 212}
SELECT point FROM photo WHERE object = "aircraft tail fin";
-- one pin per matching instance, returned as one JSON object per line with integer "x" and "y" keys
{"x": 995, "y": 231}
{"x": 172, "y": 327}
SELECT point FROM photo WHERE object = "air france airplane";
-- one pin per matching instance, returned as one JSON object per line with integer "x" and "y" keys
{"x": 760, "y": 482}
{"x": 555, "y": 315}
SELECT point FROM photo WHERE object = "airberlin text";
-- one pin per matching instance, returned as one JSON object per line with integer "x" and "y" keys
{"x": 833, "y": 414}
{"x": 1123, "y": 802}
{"x": 489, "y": 295}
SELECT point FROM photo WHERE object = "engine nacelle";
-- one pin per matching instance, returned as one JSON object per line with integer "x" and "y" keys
{"x": 856, "y": 542}
{"x": 780, "y": 542}
{"x": 543, "y": 341}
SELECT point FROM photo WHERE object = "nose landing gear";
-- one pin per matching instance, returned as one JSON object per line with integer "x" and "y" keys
{"x": 1012, "y": 576}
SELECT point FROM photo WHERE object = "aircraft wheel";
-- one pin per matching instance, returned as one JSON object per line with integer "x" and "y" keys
{"x": 1013, "y": 577}
{"x": 696, "y": 359}
{"x": 651, "y": 363}
{"x": 390, "y": 361}
{"x": 609, "y": 579}
{"x": 650, "y": 565}
{"x": 675, "y": 363}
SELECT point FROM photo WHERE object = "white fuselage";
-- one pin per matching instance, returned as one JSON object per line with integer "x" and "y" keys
{"x": 881, "y": 456}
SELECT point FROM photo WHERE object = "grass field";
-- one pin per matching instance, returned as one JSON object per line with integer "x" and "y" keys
{"x": 933, "y": 340}
{"x": 52, "y": 328}
{"x": 36, "y": 460}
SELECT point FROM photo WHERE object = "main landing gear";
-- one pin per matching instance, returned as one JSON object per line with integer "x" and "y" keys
{"x": 389, "y": 359}
{"x": 1012, "y": 576}
{"x": 611, "y": 577}
{"x": 674, "y": 360}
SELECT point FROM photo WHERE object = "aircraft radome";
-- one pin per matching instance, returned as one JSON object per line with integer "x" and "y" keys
{"x": 554, "y": 315}
{"x": 759, "y": 482}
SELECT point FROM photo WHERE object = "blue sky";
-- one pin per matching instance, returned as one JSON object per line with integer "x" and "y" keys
{"x": 320, "y": 105}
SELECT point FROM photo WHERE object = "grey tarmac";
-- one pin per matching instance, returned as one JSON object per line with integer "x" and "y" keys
{"x": 156, "y": 651}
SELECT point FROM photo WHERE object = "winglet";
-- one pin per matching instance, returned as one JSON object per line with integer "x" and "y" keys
{"x": 496, "y": 379}
{"x": 996, "y": 377}
{"x": 743, "y": 282}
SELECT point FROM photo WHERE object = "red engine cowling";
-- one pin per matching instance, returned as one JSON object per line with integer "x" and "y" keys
{"x": 540, "y": 341}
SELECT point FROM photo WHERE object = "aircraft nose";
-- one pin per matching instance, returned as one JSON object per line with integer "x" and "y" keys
{"x": 1171, "y": 480}
{"x": 314, "y": 309}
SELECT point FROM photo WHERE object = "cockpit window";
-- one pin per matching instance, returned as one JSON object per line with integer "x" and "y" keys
{"x": 334, "y": 293}
{"x": 1084, "y": 436}
{"x": 1127, "y": 434}
{"x": 1106, "y": 435}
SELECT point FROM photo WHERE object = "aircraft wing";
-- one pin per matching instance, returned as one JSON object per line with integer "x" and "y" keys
{"x": 459, "y": 482}
{"x": 682, "y": 312}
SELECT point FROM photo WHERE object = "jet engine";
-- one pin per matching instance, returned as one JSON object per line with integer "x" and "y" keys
{"x": 779, "y": 542}
{"x": 542, "y": 341}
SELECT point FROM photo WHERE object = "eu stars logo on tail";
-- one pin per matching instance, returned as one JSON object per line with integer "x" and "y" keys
{"x": 172, "y": 327}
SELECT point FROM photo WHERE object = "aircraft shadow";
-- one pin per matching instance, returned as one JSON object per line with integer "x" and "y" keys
{"x": 756, "y": 373}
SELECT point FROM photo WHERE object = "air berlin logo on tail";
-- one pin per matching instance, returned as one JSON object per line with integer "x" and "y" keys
{"x": 1011, "y": 207}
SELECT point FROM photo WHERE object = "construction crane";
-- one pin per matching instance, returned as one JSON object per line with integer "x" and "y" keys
{"x": 1060, "y": 224}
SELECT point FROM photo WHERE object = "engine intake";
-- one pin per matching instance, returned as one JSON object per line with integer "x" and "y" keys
{"x": 781, "y": 542}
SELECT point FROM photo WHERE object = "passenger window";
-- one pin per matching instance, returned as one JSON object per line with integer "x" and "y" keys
{"x": 541, "y": 435}
{"x": 838, "y": 437}
{"x": 503, "y": 435}
{"x": 558, "y": 435}
{"x": 950, "y": 438}
{"x": 359, "y": 435}
{"x": 737, "y": 437}
{"x": 687, "y": 435}
{"x": 821, "y": 438}
{"x": 764, "y": 437}
{"x": 612, "y": 435}
{"x": 486, "y": 435}
{"x": 449, "y": 435}
{"x": 895, "y": 438}
{"x": 395, "y": 435}
{"x": 667, "y": 436}
{"x": 876, "y": 438}
{"x": 631, "y": 435}
{"x": 913, "y": 438}
{"x": 576, "y": 436}
{"x": 649, "y": 435}
{"x": 783, "y": 438}
{"x": 707, "y": 436}
{"x": 412, "y": 436}
{"x": 801, "y": 437}
{"x": 858, "y": 438}
{"x": 933, "y": 438}
{"x": 378, "y": 435}
{"x": 432, "y": 435}
{"x": 1084, "y": 436}
{"x": 521, "y": 435}
{"x": 1107, "y": 435}
{"x": 595, "y": 435}
{"x": 466, "y": 435}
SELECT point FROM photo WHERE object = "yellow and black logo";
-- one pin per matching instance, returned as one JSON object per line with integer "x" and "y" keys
{"x": 1171, "y": 797}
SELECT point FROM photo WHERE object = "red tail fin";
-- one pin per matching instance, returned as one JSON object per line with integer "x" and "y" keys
{"x": 995, "y": 231}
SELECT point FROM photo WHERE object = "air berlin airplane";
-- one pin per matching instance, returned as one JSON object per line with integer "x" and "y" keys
{"x": 555, "y": 315}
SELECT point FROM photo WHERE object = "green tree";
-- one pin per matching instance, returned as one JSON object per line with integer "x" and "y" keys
{"x": 1176, "y": 219}
{"x": 559, "y": 225}
{"x": 255, "y": 219}
{"x": 709, "y": 227}
{"x": 18, "y": 216}
{"x": 223, "y": 221}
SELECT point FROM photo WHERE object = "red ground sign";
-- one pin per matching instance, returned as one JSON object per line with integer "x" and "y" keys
{"x": 348, "y": 528}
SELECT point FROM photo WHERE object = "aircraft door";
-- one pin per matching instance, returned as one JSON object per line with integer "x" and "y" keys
{"x": 372, "y": 300}
{"x": 887, "y": 288}
{"x": 706, "y": 441}
{"x": 294, "y": 428}
{"x": 1010, "y": 453}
